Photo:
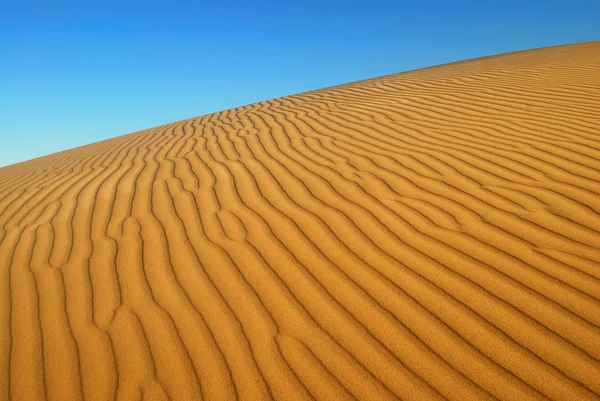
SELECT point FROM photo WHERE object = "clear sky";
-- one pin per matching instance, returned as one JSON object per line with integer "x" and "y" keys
{"x": 75, "y": 72}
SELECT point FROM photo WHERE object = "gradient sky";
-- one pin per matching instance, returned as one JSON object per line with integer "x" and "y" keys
{"x": 77, "y": 72}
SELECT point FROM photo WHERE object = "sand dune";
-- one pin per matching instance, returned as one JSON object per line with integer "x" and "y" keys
{"x": 426, "y": 235}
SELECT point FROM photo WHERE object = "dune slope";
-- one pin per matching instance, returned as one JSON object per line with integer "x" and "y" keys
{"x": 426, "y": 235}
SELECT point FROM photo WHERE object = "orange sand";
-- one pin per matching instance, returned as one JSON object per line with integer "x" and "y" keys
{"x": 426, "y": 235}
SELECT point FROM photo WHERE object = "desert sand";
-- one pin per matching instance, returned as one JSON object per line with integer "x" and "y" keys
{"x": 426, "y": 235}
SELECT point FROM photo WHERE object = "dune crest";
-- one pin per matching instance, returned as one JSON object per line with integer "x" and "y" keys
{"x": 426, "y": 235}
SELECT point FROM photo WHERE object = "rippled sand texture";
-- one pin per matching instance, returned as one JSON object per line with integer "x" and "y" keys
{"x": 426, "y": 235}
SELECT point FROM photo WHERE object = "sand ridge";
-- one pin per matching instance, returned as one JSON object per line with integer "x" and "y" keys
{"x": 425, "y": 235}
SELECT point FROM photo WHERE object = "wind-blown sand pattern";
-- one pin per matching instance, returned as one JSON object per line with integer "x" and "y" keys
{"x": 425, "y": 235}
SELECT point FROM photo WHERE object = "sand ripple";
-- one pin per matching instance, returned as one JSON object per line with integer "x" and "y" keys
{"x": 426, "y": 235}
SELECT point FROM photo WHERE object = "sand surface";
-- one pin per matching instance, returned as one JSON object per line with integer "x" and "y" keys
{"x": 427, "y": 235}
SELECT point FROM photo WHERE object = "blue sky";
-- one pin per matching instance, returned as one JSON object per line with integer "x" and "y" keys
{"x": 72, "y": 73}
